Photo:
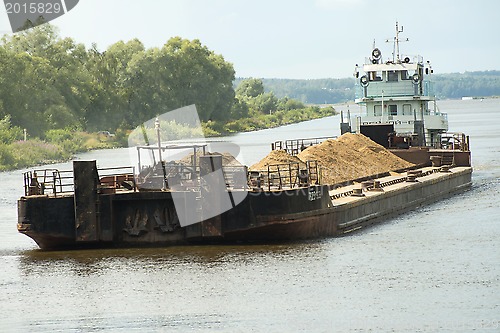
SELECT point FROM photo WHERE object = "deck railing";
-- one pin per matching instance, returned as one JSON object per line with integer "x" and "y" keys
{"x": 285, "y": 176}
{"x": 56, "y": 182}
{"x": 403, "y": 88}
{"x": 295, "y": 146}
{"x": 453, "y": 141}
{"x": 48, "y": 181}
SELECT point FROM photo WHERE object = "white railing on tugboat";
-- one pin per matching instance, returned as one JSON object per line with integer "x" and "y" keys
{"x": 403, "y": 88}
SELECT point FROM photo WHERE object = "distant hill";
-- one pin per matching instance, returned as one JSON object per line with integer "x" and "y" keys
{"x": 457, "y": 85}
{"x": 329, "y": 91}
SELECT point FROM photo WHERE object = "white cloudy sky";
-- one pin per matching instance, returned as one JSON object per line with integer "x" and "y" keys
{"x": 298, "y": 38}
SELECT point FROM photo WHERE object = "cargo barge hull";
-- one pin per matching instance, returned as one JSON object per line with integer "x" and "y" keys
{"x": 137, "y": 219}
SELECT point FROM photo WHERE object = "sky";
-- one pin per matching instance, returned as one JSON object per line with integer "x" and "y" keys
{"x": 298, "y": 39}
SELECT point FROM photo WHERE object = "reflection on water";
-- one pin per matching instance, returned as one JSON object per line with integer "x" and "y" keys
{"x": 433, "y": 269}
{"x": 207, "y": 256}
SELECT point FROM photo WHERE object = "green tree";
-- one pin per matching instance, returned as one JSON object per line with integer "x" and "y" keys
{"x": 27, "y": 90}
{"x": 287, "y": 104}
{"x": 239, "y": 109}
{"x": 249, "y": 88}
{"x": 265, "y": 103}
{"x": 181, "y": 73}
{"x": 47, "y": 84}
{"x": 9, "y": 133}
{"x": 109, "y": 101}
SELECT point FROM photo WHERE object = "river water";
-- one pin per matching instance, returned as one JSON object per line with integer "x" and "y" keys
{"x": 435, "y": 269}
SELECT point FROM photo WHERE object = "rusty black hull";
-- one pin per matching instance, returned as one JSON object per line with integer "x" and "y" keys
{"x": 346, "y": 218}
{"x": 150, "y": 219}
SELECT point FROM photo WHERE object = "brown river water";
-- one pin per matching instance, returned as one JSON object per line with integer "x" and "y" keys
{"x": 435, "y": 269}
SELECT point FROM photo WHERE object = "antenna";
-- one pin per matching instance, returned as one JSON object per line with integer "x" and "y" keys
{"x": 395, "y": 52}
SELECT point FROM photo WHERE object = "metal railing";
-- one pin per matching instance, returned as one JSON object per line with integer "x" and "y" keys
{"x": 116, "y": 179}
{"x": 187, "y": 177}
{"x": 47, "y": 181}
{"x": 295, "y": 146}
{"x": 169, "y": 175}
{"x": 120, "y": 179}
{"x": 285, "y": 176}
{"x": 453, "y": 141}
{"x": 55, "y": 182}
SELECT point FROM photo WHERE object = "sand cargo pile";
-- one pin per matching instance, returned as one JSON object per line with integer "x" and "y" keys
{"x": 349, "y": 157}
{"x": 275, "y": 157}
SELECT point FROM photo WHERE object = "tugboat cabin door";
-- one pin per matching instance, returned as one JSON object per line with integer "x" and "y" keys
{"x": 378, "y": 133}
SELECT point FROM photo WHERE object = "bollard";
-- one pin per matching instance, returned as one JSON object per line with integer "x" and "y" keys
{"x": 357, "y": 192}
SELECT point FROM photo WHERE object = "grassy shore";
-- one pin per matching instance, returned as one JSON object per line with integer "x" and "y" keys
{"x": 62, "y": 145}
{"x": 57, "y": 148}
{"x": 262, "y": 121}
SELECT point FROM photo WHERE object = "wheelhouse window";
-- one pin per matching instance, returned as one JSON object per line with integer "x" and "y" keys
{"x": 377, "y": 110}
{"x": 392, "y": 76}
{"x": 375, "y": 76}
{"x": 406, "y": 109}
{"x": 393, "y": 110}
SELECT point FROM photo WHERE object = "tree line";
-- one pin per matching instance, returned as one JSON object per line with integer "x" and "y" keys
{"x": 49, "y": 82}
{"x": 58, "y": 91}
{"x": 311, "y": 91}
{"x": 476, "y": 84}
{"x": 330, "y": 91}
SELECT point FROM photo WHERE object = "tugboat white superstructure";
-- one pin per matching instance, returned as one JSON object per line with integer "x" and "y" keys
{"x": 398, "y": 99}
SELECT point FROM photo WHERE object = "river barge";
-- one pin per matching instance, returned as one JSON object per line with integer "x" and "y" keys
{"x": 112, "y": 211}
{"x": 207, "y": 201}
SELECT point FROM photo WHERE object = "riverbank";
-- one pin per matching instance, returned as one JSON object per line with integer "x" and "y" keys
{"x": 61, "y": 145}
{"x": 264, "y": 121}
{"x": 58, "y": 146}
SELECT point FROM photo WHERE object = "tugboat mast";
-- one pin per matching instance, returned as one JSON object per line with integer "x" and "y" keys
{"x": 395, "y": 52}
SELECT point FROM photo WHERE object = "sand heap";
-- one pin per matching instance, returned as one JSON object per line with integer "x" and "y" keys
{"x": 276, "y": 157}
{"x": 227, "y": 159}
{"x": 351, "y": 156}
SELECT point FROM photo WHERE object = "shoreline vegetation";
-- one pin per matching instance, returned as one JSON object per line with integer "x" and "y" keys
{"x": 62, "y": 145}
{"x": 58, "y": 98}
